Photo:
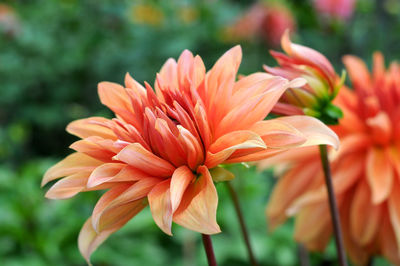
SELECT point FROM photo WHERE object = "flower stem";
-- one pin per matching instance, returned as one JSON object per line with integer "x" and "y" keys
{"x": 333, "y": 206}
{"x": 209, "y": 250}
{"x": 303, "y": 255}
{"x": 239, "y": 213}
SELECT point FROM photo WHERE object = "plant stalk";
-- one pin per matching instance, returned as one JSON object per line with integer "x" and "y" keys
{"x": 243, "y": 228}
{"x": 333, "y": 206}
{"x": 208, "y": 247}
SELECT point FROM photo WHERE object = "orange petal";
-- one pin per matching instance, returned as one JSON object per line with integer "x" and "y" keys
{"x": 74, "y": 163}
{"x": 379, "y": 174}
{"x": 115, "y": 97}
{"x": 68, "y": 186}
{"x": 365, "y": 217}
{"x": 104, "y": 173}
{"x": 224, "y": 146}
{"x": 198, "y": 207}
{"x": 88, "y": 127}
{"x": 119, "y": 196}
{"x": 91, "y": 147}
{"x": 179, "y": 182}
{"x": 359, "y": 74}
{"x": 278, "y": 134}
{"x": 288, "y": 188}
{"x": 140, "y": 158}
{"x": 89, "y": 240}
{"x": 192, "y": 146}
{"x": 389, "y": 245}
{"x": 160, "y": 205}
{"x": 315, "y": 131}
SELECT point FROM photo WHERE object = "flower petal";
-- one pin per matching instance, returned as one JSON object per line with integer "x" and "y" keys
{"x": 198, "y": 207}
{"x": 114, "y": 172}
{"x": 394, "y": 212}
{"x": 140, "y": 158}
{"x": 160, "y": 205}
{"x": 226, "y": 145}
{"x": 74, "y": 163}
{"x": 379, "y": 174}
{"x": 180, "y": 180}
{"x": 68, "y": 186}
{"x": 89, "y": 127}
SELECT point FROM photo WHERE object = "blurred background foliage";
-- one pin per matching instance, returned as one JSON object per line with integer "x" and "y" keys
{"x": 53, "y": 54}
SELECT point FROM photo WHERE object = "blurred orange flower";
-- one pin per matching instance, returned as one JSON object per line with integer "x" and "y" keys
{"x": 268, "y": 21}
{"x": 366, "y": 171}
{"x": 315, "y": 97}
{"x": 162, "y": 146}
{"x": 9, "y": 22}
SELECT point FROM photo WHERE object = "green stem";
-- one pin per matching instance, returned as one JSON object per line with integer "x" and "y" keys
{"x": 333, "y": 206}
{"x": 208, "y": 247}
{"x": 243, "y": 228}
{"x": 303, "y": 255}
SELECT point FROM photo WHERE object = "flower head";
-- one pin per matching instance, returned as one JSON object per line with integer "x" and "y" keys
{"x": 322, "y": 86}
{"x": 162, "y": 145}
{"x": 366, "y": 171}
{"x": 337, "y": 9}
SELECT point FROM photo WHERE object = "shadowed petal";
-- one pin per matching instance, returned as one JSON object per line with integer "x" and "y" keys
{"x": 68, "y": 186}
{"x": 394, "y": 212}
{"x": 180, "y": 180}
{"x": 198, "y": 207}
{"x": 160, "y": 205}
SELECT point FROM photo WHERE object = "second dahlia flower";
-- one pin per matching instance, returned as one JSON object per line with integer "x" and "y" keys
{"x": 163, "y": 147}
{"x": 314, "y": 98}
{"x": 365, "y": 171}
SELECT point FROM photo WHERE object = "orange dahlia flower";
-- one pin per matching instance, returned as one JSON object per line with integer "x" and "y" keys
{"x": 164, "y": 147}
{"x": 314, "y": 98}
{"x": 366, "y": 171}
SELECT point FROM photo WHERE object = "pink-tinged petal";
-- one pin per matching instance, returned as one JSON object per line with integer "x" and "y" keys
{"x": 104, "y": 173}
{"x": 180, "y": 180}
{"x": 278, "y": 134}
{"x": 315, "y": 131}
{"x": 115, "y": 97}
{"x": 224, "y": 146}
{"x": 198, "y": 207}
{"x": 394, "y": 212}
{"x": 91, "y": 147}
{"x": 308, "y": 56}
{"x": 379, "y": 174}
{"x": 169, "y": 75}
{"x": 203, "y": 125}
{"x": 89, "y": 240}
{"x": 365, "y": 217}
{"x": 140, "y": 158}
{"x": 119, "y": 196}
{"x": 134, "y": 85}
{"x": 74, "y": 163}
{"x": 88, "y": 127}
{"x": 68, "y": 186}
{"x": 160, "y": 205}
{"x": 289, "y": 187}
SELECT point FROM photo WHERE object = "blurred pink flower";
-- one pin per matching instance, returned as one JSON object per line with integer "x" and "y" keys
{"x": 340, "y": 9}
{"x": 266, "y": 21}
{"x": 9, "y": 23}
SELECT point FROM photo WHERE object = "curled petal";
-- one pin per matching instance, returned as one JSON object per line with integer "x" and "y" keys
{"x": 160, "y": 205}
{"x": 88, "y": 127}
{"x": 140, "y": 158}
{"x": 198, "y": 207}
{"x": 89, "y": 240}
{"x": 74, "y": 163}
{"x": 68, "y": 186}
{"x": 180, "y": 180}
{"x": 226, "y": 145}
